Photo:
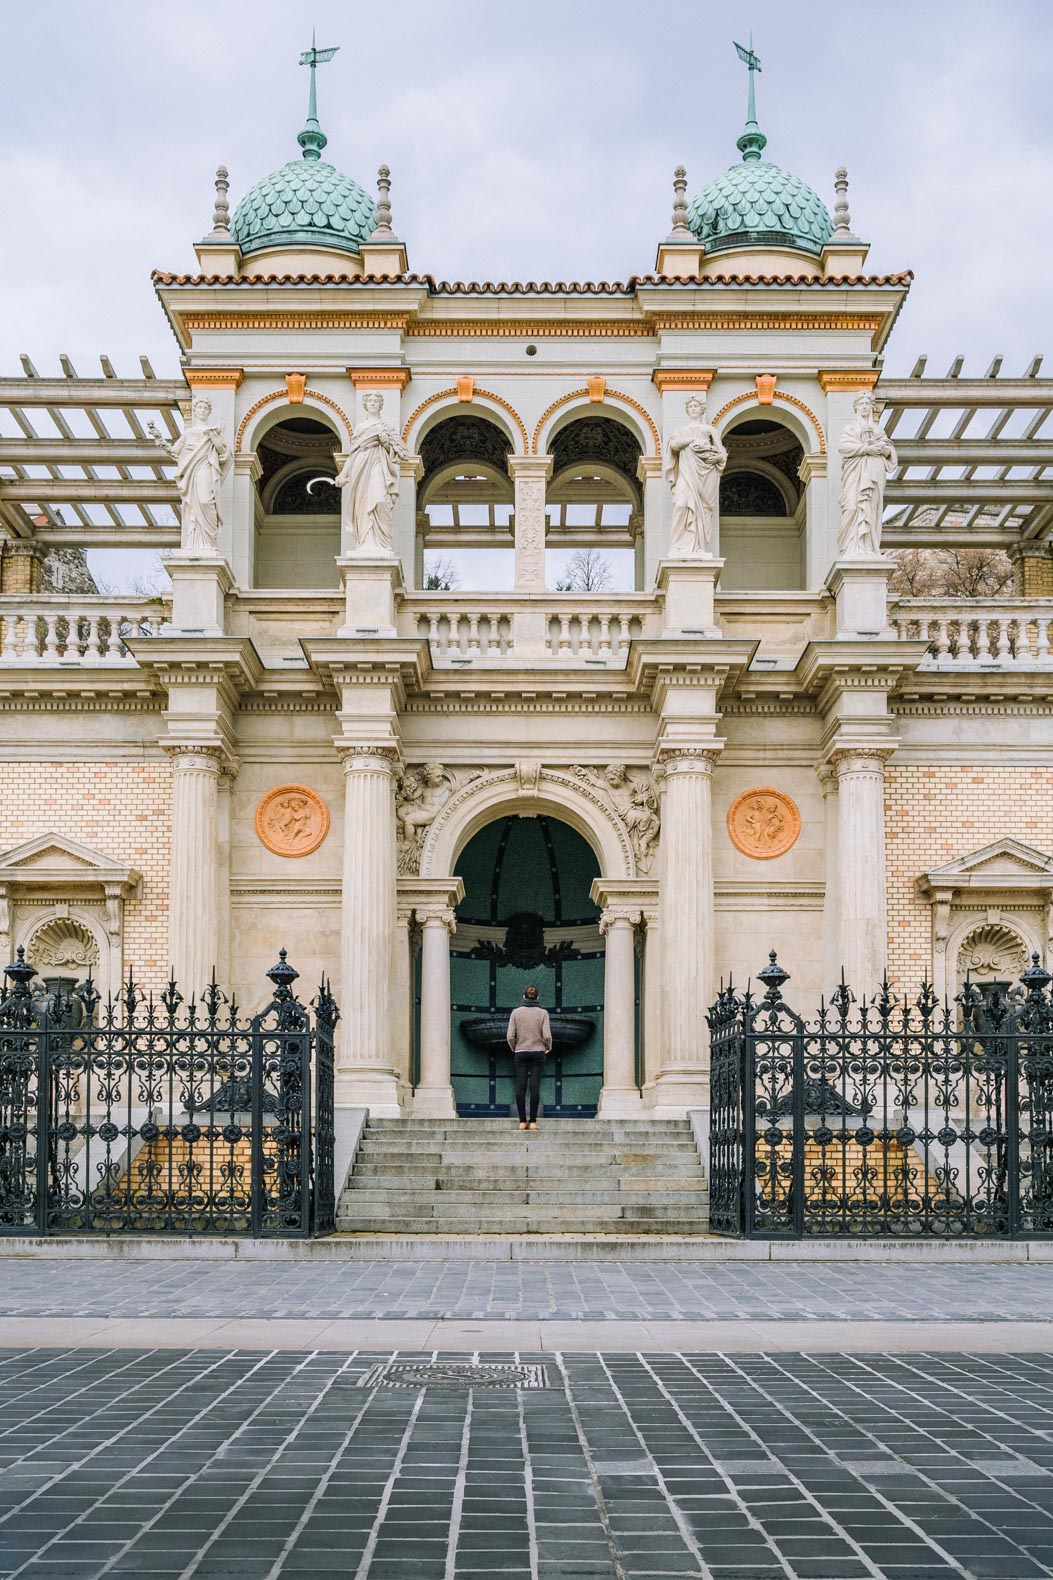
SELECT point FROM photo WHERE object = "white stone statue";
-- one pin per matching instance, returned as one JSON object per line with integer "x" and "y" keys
{"x": 420, "y": 796}
{"x": 696, "y": 460}
{"x": 200, "y": 454}
{"x": 867, "y": 458}
{"x": 370, "y": 480}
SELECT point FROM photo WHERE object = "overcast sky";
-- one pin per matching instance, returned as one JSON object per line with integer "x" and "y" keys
{"x": 528, "y": 141}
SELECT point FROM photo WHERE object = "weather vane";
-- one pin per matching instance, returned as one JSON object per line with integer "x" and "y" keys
{"x": 753, "y": 140}
{"x": 312, "y": 139}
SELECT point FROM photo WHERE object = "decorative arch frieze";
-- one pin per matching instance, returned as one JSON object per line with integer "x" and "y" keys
{"x": 480, "y": 397}
{"x": 309, "y": 397}
{"x": 750, "y": 396}
{"x": 528, "y": 789}
{"x": 583, "y": 397}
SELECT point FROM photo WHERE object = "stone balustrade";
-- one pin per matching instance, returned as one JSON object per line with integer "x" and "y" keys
{"x": 980, "y": 633}
{"x": 576, "y": 627}
{"x": 76, "y": 630}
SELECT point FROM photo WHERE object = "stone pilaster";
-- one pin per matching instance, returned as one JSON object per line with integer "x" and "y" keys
{"x": 861, "y": 903}
{"x": 686, "y": 920}
{"x": 827, "y": 775}
{"x": 1032, "y": 570}
{"x": 529, "y": 475}
{"x": 620, "y": 1096}
{"x": 649, "y": 473}
{"x": 365, "y": 1074}
{"x": 410, "y": 474}
{"x": 193, "y": 905}
{"x": 434, "y": 1094}
{"x": 22, "y": 566}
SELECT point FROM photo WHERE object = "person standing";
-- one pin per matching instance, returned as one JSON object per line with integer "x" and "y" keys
{"x": 530, "y": 1039}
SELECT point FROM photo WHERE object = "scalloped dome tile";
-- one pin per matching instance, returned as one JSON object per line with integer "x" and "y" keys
{"x": 756, "y": 201}
{"x": 304, "y": 202}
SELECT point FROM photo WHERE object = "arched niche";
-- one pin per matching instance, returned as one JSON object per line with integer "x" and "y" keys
{"x": 990, "y": 953}
{"x": 484, "y": 405}
{"x": 762, "y": 504}
{"x": 465, "y": 496}
{"x": 297, "y": 519}
{"x": 594, "y": 499}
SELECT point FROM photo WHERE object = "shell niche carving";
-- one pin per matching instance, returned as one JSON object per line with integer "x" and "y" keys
{"x": 62, "y": 944}
{"x": 992, "y": 951}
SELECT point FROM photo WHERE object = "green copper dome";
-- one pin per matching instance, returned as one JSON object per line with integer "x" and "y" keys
{"x": 757, "y": 204}
{"x": 306, "y": 202}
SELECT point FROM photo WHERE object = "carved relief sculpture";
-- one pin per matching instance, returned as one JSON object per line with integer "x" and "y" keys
{"x": 867, "y": 458}
{"x": 292, "y": 820}
{"x": 633, "y": 798}
{"x": 696, "y": 460}
{"x": 370, "y": 480}
{"x": 763, "y": 823}
{"x": 200, "y": 454}
{"x": 420, "y": 795}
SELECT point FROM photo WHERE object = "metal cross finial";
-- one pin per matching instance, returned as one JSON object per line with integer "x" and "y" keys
{"x": 383, "y": 229}
{"x": 753, "y": 139}
{"x": 221, "y": 207}
{"x": 312, "y": 139}
{"x": 680, "y": 225}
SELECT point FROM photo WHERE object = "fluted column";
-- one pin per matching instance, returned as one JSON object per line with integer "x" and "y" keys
{"x": 365, "y": 1072}
{"x": 193, "y": 905}
{"x": 862, "y": 906}
{"x": 434, "y": 1094}
{"x": 620, "y": 1096}
{"x": 831, "y": 963}
{"x": 686, "y": 922}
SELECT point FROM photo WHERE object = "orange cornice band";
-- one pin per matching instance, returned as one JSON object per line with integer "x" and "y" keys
{"x": 213, "y": 378}
{"x": 681, "y": 379}
{"x": 379, "y": 378}
{"x": 848, "y": 379}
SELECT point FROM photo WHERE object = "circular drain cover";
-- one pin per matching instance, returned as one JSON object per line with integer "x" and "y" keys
{"x": 452, "y": 1374}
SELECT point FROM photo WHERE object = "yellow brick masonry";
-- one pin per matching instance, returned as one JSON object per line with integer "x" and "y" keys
{"x": 936, "y": 814}
{"x": 123, "y": 810}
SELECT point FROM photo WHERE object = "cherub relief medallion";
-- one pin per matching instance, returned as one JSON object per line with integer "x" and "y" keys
{"x": 763, "y": 823}
{"x": 292, "y": 820}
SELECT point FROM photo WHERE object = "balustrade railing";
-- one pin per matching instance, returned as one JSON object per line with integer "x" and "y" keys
{"x": 574, "y": 627}
{"x": 85, "y": 630}
{"x": 978, "y": 633}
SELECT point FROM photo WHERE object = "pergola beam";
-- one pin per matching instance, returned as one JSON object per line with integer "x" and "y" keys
{"x": 84, "y": 452}
{"x": 146, "y": 393}
{"x": 97, "y": 491}
{"x": 965, "y": 392}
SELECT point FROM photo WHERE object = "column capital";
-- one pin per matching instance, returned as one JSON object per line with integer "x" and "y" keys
{"x": 195, "y": 756}
{"x": 247, "y": 463}
{"x": 649, "y": 466}
{"x": 412, "y": 466}
{"x": 679, "y": 760}
{"x": 861, "y": 759}
{"x": 826, "y": 773}
{"x": 812, "y": 465}
{"x": 357, "y": 758}
{"x": 619, "y": 916}
{"x": 530, "y": 466}
{"x": 437, "y": 916}
{"x": 1029, "y": 549}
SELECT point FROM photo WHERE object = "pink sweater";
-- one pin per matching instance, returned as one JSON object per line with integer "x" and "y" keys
{"x": 529, "y": 1030}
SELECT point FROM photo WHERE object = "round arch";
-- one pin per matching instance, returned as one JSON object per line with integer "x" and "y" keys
{"x": 526, "y": 793}
{"x": 448, "y": 403}
{"x": 793, "y": 414}
{"x": 628, "y": 412}
{"x": 267, "y": 413}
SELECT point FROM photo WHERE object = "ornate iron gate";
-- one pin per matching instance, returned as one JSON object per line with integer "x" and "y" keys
{"x": 884, "y": 1118}
{"x": 158, "y": 1116}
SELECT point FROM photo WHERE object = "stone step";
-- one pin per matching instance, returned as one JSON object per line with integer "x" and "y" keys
{"x": 523, "y": 1179}
{"x": 366, "y": 1210}
{"x": 685, "y": 1193}
{"x": 594, "y": 1151}
{"x": 564, "y": 1126}
{"x": 636, "y": 1228}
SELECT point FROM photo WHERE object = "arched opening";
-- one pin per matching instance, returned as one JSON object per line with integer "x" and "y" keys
{"x": 527, "y": 917}
{"x": 762, "y": 509}
{"x": 465, "y": 507}
{"x": 594, "y": 508}
{"x": 297, "y": 520}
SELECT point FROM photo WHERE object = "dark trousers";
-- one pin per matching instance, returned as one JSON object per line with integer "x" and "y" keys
{"x": 529, "y": 1069}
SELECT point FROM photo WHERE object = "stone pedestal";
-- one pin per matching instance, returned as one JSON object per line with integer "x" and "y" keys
{"x": 686, "y": 922}
{"x": 200, "y": 584}
{"x": 860, "y": 589}
{"x": 862, "y": 912}
{"x": 372, "y": 585}
{"x": 365, "y": 1072}
{"x": 193, "y": 906}
{"x": 620, "y": 1096}
{"x": 689, "y": 587}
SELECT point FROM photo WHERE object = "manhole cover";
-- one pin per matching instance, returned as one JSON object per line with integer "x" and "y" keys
{"x": 452, "y": 1374}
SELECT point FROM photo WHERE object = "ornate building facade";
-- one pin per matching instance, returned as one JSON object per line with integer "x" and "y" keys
{"x": 435, "y": 795}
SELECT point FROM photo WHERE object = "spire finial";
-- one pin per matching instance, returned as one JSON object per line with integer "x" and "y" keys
{"x": 842, "y": 218}
{"x": 681, "y": 231}
{"x": 221, "y": 208}
{"x": 753, "y": 141}
{"x": 312, "y": 139}
{"x": 382, "y": 230}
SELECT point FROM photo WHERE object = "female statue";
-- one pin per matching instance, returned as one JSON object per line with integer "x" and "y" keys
{"x": 200, "y": 454}
{"x": 867, "y": 457}
{"x": 370, "y": 480}
{"x": 697, "y": 459}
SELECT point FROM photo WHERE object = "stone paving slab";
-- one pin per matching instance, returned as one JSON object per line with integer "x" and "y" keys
{"x": 552, "y": 1337}
{"x": 558, "y": 1292}
{"x": 206, "y": 1465}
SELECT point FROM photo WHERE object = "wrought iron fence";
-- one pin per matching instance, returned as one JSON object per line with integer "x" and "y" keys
{"x": 908, "y": 1118}
{"x": 162, "y": 1116}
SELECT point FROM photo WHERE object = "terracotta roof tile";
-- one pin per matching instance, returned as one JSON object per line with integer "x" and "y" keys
{"x": 531, "y": 287}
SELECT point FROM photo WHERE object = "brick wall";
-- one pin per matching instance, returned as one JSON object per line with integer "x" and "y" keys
{"x": 935, "y": 814}
{"x": 122, "y": 809}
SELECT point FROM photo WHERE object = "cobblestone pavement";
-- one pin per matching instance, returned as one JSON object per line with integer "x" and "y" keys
{"x": 722, "y": 1291}
{"x": 205, "y": 1465}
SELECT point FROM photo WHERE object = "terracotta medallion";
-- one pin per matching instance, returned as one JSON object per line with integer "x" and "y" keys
{"x": 763, "y": 823}
{"x": 292, "y": 820}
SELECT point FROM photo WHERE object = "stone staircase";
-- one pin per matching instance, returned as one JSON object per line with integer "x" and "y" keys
{"x": 485, "y": 1176}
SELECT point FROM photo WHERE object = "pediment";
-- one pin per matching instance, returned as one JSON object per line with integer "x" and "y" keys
{"x": 1007, "y": 863}
{"x": 52, "y": 859}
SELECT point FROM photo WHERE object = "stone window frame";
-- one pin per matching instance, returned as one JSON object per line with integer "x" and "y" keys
{"x": 965, "y": 893}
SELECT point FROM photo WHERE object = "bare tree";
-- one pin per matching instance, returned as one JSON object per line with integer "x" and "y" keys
{"x": 153, "y": 582}
{"x": 440, "y": 574}
{"x": 951, "y": 573}
{"x": 587, "y": 571}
